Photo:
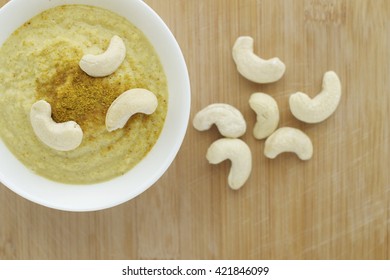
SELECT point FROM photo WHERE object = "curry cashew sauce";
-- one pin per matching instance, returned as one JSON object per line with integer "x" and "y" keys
{"x": 40, "y": 61}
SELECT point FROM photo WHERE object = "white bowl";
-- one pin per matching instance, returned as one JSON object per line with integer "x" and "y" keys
{"x": 107, "y": 194}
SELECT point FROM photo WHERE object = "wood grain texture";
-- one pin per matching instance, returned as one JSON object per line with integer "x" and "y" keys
{"x": 335, "y": 206}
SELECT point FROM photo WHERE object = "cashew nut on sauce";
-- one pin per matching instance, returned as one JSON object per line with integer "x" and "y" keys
{"x": 64, "y": 136}
{"x": 106, "y": 63}
{"x": 127, "y": 104}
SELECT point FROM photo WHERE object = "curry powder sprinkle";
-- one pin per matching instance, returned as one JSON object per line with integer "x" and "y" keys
{"x": 73, "y": 95}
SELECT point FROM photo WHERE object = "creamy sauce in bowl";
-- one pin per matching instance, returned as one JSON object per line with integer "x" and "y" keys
{"x": 40, "y": 61}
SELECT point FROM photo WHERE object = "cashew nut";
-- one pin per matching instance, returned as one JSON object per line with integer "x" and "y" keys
{"x": 320, "y": 107}
{"x": 104, "y": 64}
{"x": 267, "y": 112}
{"x": 287, "y": 139}
{"x": 252, "y": 66}
{"x": 240, "y": 155}
{"x": 64, "y": 136}
{"x": 130, "y": 102}
{"x": 229, "y": 121}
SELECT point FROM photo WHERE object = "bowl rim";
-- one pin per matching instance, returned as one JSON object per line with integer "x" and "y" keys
{"x": 72, "y": 197}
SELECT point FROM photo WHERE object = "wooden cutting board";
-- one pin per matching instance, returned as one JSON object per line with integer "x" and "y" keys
{"x": 335, "y": 206}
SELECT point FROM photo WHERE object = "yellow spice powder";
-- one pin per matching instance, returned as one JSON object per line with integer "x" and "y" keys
{"x": 73, "y": 95}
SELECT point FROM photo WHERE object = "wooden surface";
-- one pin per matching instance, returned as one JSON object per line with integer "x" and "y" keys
{"x": 335, "y": 206}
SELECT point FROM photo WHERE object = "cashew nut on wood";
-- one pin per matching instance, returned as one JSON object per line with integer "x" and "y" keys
{"x": 238, "y": 152}
{"x": 287, "y": 139}
{"x": 130, "y": 102}
{"x": 252, "y": 66}
{"x": 64, "y": 136}
{"x": 229, "y": 121}
{"x": 104, "y": 64}
{"x": 320, "y": 107}
{"x": 267, "y": 113}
